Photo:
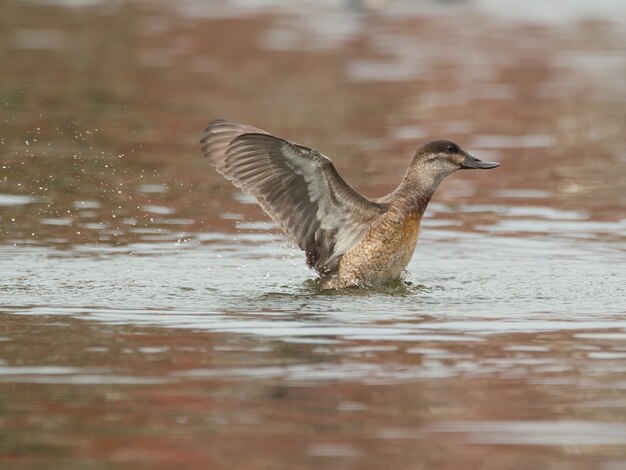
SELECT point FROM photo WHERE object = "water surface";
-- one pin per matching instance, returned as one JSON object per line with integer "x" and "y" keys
{"x": 151, "y": 316}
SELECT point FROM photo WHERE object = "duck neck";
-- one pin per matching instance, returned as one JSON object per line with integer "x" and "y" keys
{"x": 418, "y": 186}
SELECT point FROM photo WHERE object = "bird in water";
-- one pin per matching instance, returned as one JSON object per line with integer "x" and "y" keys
{"x": 349, "y": 239}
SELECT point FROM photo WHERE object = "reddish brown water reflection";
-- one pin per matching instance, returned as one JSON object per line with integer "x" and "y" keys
{"x": 120, "y": 104}
{"x": 156, "y": 397}
{"x": 134, "y": 332}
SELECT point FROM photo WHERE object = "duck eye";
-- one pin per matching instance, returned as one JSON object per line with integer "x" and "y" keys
{"x": 451, "y": 148}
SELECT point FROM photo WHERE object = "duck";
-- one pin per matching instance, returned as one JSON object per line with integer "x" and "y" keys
{"x": 349, "y": 240}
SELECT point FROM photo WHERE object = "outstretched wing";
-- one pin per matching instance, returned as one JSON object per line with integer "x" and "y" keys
{"x": 298, "y": 187}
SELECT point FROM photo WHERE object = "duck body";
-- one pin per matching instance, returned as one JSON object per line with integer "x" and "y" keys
{"x": 381, "y": 255}
{"x": 348, "y": 239}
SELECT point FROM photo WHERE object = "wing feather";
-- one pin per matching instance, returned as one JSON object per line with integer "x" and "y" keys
{"x": 298, "y": 187}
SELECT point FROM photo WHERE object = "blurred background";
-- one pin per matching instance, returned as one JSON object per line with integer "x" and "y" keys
{"x": 151, "y": 314}
{"x": 105, "y": 102}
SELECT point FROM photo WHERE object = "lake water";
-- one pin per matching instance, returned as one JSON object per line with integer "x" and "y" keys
{"x": 152, "y": 317}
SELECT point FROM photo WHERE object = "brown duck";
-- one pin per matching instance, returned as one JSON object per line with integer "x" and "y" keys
{"x": 348, "y": 239}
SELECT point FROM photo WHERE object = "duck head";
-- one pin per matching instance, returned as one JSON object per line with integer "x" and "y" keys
{"x": 431, "y": 163}
{"x": 446, "y": 157}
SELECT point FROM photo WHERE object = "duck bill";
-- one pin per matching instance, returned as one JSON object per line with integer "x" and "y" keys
{"x": 471, "y": 162}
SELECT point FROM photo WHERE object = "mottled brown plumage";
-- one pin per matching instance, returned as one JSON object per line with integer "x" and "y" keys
{"x": 348, "y": 239}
